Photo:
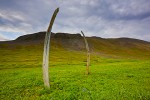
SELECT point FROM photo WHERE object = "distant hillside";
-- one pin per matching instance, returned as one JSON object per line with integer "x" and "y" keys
{"x": 41, "y": 36}
{"x": 126, "y": 47}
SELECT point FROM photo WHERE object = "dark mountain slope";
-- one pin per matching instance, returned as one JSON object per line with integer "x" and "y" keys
{"x": 64, "y": 41}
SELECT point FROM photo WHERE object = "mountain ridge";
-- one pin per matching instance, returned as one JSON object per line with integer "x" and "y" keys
{"x": 41, "y": 35}
{"x": 65, "y": 41}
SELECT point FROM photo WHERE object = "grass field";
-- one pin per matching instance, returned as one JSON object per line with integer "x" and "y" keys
{"x": 110, "y": 78}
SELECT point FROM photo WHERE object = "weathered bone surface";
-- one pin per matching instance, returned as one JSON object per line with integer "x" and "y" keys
{"x": 88, "y": 54}
{"x": 46, "y": 50}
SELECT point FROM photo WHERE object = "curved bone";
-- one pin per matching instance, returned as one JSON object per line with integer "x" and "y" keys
{"x": 88, "y": 53}
{"x": 46, "y": 50}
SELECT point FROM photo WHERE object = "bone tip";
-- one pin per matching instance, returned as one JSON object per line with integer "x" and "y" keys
{"x": 57, "y": 9}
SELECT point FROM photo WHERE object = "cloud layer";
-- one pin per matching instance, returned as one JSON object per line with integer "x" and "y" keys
{"x": 104, "y": 18}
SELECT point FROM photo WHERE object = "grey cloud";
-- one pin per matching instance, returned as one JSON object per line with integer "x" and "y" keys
{"x": 105, "y": 18}
{"x": 3, "y": 38}
{"x": 121, "y": 10}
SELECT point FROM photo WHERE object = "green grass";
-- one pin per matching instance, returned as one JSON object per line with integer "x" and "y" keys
{"x": 123, "y": 80}
{"x": 109, "y": 79}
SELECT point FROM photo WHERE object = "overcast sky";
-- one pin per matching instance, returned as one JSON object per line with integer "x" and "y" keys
{"x": 103, "y": 18}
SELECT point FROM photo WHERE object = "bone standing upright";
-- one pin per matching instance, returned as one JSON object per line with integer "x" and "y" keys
{"x": 46, "y": 50}
{"x": 88, "y": 53}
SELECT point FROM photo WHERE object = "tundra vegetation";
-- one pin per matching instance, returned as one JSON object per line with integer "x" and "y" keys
{"x": 111, "y": 77}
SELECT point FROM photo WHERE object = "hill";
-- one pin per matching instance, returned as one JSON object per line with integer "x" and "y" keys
{"x": 122, "y": 47}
